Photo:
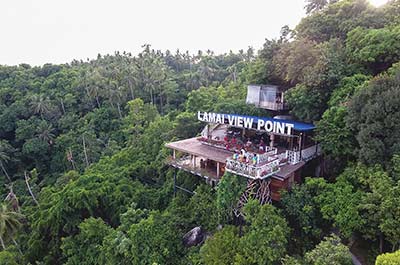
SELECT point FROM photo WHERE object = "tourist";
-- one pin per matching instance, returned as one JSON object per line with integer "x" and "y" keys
{"x": 248, "y": 144}
{"x": 235, "y": 156}
{"x": 262, "y": 145}
{"x": 255, "y": 159}
{"x": 233, "y": 141}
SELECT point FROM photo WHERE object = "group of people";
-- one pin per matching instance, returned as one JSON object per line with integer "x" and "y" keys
{"x": 232, "y": 143}
{"x": 246, "y": 157}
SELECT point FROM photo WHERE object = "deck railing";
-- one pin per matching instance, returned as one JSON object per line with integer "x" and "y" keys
{"x": 293, "y": 157}
{"x": 310, "y": 152}
{"x": 252, "y": 171}
{"x": 265, "y": 157}
{"x": 273, "y": 105}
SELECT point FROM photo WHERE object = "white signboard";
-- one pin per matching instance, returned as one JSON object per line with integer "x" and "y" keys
{"x": 248, "y": 122}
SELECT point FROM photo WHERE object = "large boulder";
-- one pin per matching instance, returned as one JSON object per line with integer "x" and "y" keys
{"x": 194, "y": 237}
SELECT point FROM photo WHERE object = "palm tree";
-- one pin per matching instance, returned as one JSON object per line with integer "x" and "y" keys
{"x": 116, "y": 96}
{"x": 10, "y": 222}
{"x": 93, "y": 91}
{"x": 4, "y": 157}
{"x": 45, "y": 132}
{"x": 40, "y": 104}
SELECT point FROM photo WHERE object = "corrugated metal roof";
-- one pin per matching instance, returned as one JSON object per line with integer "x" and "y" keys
{"x": 298, "y": 126}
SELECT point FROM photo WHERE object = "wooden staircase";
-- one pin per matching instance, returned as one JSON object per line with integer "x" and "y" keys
{"x": 256, "y": 189}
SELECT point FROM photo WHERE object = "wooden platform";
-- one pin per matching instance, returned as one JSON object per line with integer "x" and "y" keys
{"x": 195, "y": 147}
{"x": 288, "y": 170}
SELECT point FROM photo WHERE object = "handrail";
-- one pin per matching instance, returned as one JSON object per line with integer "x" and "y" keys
{"x": 273, "y": 105}
{"x": 252, "y": 171}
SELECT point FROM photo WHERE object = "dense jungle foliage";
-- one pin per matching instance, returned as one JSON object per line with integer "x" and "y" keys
{"x": 82, "y": 156}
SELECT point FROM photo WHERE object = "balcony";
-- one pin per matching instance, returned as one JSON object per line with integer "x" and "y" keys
{"x": 277, "y": 106}
{"x": 306, "y": 154}
{"x": 191, "y": 165}
{"x": 267, "y": 97}
{"x": 271, "y": 163}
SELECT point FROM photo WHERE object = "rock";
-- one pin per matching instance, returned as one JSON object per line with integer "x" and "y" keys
{"x": 194, "y": 237}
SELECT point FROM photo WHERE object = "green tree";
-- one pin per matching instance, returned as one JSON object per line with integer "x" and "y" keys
{"x": 388, "y": 258}
{"x": 222, "y": 247}
{"x": 303, "y": 212}
{"x": 376, "y": 49}
{"x": 229, "y": 190}
{"x": 85, "y": 247}
{"x": 372, "y": 117}
{"x": 10, "y": 222}
{"x": 5, "y": 149}
{"x": 154, "y": 240}
{"x": 203, "y": 205}
{"x": 40, "y": 104}
{"x": 265, "y": 238}
{"x": 330, "y": 251}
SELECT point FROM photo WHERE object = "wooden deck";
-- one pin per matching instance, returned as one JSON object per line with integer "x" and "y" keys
{"x": 195, "y": 147}
{"x": 186, "y": 165}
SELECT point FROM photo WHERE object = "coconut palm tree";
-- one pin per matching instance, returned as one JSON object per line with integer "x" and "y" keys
{"x": 40, "y": 104}
{"x": 10, "y": 222}
{"x": 4, "y": 157}
{"x": 45, "y": 132}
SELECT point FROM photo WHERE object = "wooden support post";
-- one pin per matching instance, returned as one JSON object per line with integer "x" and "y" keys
{"x": 175, "y": 183}
{"x": 300, "y": 144}
{"x": 218, "y": 169}
{"x": 194, "y": 161}
{"x": 173, "y": 154}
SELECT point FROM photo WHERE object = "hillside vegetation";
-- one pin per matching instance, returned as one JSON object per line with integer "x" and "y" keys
{"x": 82, "y": 156}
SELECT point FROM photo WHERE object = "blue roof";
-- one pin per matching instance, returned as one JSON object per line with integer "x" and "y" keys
{"x": 298, "y": 126}
{"x": 254, "y": 123}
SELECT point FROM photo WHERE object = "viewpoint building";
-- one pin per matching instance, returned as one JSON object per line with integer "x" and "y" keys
{"x": 269, "y": 152}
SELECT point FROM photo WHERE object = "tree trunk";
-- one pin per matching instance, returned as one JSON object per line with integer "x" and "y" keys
{"x": 5, "y": 171}
{"x": 131, "y": 89}
{"x": 84, "y": 151}
{"x": 29, "y": 189}
{"x": 161, "y": 104}
{"x": 72, "y": 159}
{"x": 16, "y": 244}
{"x": 2, "y": 243}
{"x": 97, "y": 101}
{"x": 381, "y": 242}
{"x": 62, "y": 106}
{"x": 119, "y": 110}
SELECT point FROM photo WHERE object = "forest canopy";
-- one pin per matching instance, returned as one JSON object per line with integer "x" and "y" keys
{"x": 82, "y": 156}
